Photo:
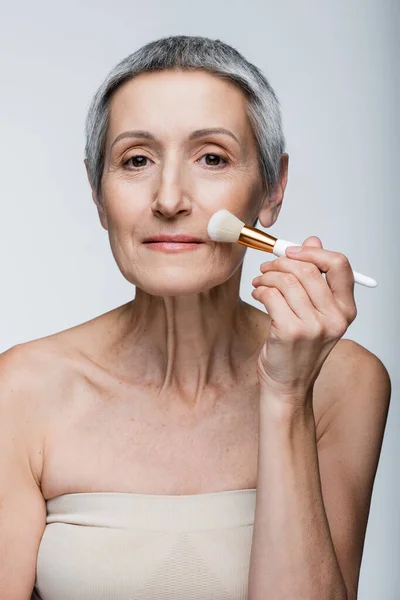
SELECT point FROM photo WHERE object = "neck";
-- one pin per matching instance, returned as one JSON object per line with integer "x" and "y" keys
{"x": 188, "y": 347}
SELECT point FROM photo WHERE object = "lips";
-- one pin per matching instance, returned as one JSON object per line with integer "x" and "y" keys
{"x": 173, "y": 239}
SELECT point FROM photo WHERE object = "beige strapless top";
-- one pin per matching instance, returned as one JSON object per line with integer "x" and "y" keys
{"x": 122, "y": 546}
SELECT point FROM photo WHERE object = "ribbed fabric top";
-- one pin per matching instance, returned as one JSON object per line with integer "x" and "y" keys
{"x": 122, "y": 546}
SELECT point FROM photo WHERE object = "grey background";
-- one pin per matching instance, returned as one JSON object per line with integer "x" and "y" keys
{"x": 335, "y": 68}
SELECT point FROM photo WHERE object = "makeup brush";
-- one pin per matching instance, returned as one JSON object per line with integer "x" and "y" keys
{"x": 225, "y": 227}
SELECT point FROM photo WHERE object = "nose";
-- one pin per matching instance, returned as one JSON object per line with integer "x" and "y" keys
{"x": 171, "y": 198}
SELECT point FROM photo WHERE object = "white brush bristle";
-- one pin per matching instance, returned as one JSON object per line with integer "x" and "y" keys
{"x": 224, "y": 227}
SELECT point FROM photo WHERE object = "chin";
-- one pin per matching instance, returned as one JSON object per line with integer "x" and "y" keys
{"x": 169, "y": 290}
{"x": 178, "y": 285}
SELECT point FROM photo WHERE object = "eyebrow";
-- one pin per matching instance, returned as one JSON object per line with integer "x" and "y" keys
{"x": 194, "y": 135}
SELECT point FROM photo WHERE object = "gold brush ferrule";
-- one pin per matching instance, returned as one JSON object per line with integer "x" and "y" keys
{"x": 254, "y": 238}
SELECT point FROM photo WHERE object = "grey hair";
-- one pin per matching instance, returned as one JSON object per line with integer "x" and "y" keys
{"x": 190, "y": 53}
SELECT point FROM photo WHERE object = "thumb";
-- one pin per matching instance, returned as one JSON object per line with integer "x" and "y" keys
{"x": 314, "y": 241}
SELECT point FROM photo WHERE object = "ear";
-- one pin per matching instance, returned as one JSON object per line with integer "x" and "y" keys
{"x": 96, "y": 200}
{"x": 273, "y": 202}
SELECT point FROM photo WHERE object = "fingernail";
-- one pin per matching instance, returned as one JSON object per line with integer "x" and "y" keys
{"x": 294, "y": 248}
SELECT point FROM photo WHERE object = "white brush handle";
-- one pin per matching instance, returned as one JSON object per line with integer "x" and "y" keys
{"x": 281, "y": 245}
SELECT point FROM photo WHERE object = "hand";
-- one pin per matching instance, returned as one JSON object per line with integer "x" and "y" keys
{"x": 308, "y": 316}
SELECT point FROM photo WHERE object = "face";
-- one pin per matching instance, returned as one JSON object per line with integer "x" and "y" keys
{"x": 174, "y": 182}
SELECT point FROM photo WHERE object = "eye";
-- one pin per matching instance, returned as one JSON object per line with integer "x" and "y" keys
{"x": 139, "y": 158}
{"x": 214, "y": 158}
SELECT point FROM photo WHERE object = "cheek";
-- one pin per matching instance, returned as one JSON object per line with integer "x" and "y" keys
{"x": 123, "y": 206}
{"x": 124, "y": 215}
{"x": 242, "y": 200}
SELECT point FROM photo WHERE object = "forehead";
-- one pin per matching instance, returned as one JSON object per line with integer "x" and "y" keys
{"x": 175, "y": 102}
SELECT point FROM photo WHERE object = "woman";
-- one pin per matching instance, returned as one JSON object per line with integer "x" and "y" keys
{"x": 186, "y": 444}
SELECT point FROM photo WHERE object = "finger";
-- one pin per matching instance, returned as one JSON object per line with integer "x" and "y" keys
{"x": 311, "y": 279}
{"x": 339, "y": 274}
{"x": 293, "y": 292}
{"x": 313, "y": 241}
{"x": 276, "y": 305}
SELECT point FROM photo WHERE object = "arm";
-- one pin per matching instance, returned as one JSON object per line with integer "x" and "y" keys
{"x": 313, "y": 498}
{"x": 22, "y": 506}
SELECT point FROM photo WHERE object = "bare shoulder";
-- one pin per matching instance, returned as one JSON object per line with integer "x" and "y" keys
{"x": 31, "y": 374}
{"x": 352, "y": 379}
{"x": 20, "y": 372}
{"x": 30, "y": 365}
{"x": 49, "y": 359}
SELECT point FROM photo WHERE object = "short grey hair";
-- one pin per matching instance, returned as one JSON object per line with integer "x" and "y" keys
{"x": 182, "y": 52}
